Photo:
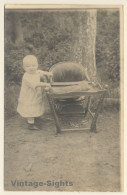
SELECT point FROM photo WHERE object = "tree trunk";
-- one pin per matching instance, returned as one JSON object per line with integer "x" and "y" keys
{"x": 17, "y": 33}
{"x": 84, "y": 44}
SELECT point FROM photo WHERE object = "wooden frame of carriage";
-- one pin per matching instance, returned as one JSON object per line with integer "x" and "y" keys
{"x": 69, "y": 92}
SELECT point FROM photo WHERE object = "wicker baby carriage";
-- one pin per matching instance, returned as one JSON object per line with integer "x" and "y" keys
{"x": 67, "y": 74}
{"x": 72, "y": 91}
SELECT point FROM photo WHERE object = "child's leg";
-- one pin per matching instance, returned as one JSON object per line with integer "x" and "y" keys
{"x": 31, "y": 124}
{"x": 30, "y": 120}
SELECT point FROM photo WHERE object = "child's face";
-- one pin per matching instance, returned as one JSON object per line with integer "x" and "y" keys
{"x": 31, "y": 67}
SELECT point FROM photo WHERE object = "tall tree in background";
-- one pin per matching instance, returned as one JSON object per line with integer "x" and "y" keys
{"x": 84, "y": 44}
{"x": 16, "y": 29}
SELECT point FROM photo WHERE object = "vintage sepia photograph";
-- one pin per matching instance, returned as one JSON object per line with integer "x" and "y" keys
{"x": 63, "y": 98}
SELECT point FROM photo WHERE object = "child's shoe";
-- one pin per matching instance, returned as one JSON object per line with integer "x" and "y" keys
{"x": 32, "y": 127}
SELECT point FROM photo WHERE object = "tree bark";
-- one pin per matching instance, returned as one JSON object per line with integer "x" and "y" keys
{"x": 84, "y": 44}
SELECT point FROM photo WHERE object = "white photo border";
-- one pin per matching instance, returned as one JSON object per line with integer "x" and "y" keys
{"x": 60, "y": 2}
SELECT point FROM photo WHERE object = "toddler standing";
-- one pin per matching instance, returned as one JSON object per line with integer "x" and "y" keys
{"x": 31, "y": 98}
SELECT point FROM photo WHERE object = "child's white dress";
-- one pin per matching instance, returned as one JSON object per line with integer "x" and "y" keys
{"x": 30, "y": 102}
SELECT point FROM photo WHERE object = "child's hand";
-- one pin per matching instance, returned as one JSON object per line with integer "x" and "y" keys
{"x": 43, "y": 85}
{"x": 47, "y": 85}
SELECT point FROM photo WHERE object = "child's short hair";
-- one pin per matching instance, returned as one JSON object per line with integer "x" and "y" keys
{"x": 28, "y": 59}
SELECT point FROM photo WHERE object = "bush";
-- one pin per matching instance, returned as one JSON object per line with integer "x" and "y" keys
{"x": 108, "y": 45}
{"x": 11, "y": 100}
{"x": 49, "y": 36}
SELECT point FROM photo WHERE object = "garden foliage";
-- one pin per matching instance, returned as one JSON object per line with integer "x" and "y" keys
{"x": 50, "y": 36}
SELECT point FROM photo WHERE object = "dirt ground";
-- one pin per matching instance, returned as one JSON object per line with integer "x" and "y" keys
{"x": 89, "y": 161}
